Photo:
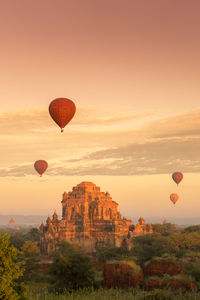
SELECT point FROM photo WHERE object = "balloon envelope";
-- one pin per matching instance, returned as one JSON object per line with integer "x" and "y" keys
{"x": 174, "y": 198}
{"x": 62, "y": 111}
{"x": 177, "y": 177}
{"x": 40, "y": 166}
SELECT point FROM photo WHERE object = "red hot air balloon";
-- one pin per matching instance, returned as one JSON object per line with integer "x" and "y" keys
{"x": 177, "y": 177}
{"x": 62, "y": 111}
{"x": 40, "y": 166}
{"x": 174, "y": 198}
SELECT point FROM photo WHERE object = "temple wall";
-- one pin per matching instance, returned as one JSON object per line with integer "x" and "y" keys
{"x": 90, "y": 219}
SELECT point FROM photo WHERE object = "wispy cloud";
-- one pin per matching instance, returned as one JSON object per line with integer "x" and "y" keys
{"x": 161, "y": 146}
{"x": 38, "y": 121}
{"x": 187, "y": 124}
{"x": 136, "y": 159}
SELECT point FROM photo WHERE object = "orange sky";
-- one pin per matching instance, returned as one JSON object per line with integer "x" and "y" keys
{"x": 133, "y": 70}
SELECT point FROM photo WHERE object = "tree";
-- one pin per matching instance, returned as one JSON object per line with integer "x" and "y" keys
{"x": 10, "y": 270}
{"x": 31, "y": 253}
{"x": 177, "y": 244}
{"x": 30, "y": 249}
{"x": 17, "y": 239}
{"x": 65, "y": 248}
{"x": 194, "y": 228}
{"x": 147, "y": 246}
{"x": 106, "y": 253}
{"x": 164, "y": 229}
{"x": 181, "y": 243}
{"x": 71, "y": 272}
{"x": 33, "y": 235}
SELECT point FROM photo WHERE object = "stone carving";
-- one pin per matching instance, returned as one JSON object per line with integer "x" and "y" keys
{"x": 91, "y": 219}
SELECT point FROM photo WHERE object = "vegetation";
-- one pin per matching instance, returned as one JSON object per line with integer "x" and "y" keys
{"x": 164, "y": 229}
{"x": 10, "y": 270}
{"x": 195, "y": 228}
{"x": 71, "y": 271}
{"x": 177, "y": 244}
{"x": 105, "y": 253}
{"x": 19, "y": 237}
{"x": 70, "y": 274}
{"x": 116, "y": 294}
{"x": 129, "y": 262}
{"x": 30, "y": 249}
{"x": 31, "y": 255}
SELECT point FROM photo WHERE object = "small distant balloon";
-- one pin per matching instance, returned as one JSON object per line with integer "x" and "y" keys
{"x": 177, "y": 177}
{"x": 62, "y": 111}
{"x": 40, "y": 166}
{"x": 174, "y": 198}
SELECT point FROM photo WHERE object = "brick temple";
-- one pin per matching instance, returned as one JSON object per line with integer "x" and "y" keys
{"x": 90, "y": 219}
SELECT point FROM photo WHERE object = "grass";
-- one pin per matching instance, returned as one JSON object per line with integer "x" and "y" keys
{"x": 114, "y": 294}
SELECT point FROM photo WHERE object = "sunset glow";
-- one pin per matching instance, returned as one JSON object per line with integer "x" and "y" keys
{"x": 133, "y": 70}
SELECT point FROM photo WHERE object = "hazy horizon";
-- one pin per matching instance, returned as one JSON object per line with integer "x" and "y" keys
{"x": 35, "y": 220}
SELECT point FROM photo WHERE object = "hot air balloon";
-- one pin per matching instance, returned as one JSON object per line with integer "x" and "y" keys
{"x": 40, "y": 166}
{"x": 174, "y": 198}
{"x": 62, "y": 111}
{"x": 177, "y": 177}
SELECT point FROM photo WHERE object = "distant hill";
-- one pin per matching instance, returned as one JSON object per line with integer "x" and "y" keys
{"x": 35, "y": 220}
{"x": 22, "y": 220}
{"x": 178, "y": 221}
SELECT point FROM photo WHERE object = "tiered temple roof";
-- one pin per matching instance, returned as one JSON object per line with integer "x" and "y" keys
{"x": 91, "y": 219}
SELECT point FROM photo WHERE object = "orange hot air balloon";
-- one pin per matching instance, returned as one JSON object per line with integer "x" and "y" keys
{"x": 174, "y": 198}
{"x": 40, "y": 166}
{"x": 177, "y": 177}
{"x": 62, "y": 111}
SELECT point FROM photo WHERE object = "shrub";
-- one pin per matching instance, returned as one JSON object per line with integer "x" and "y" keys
{"x": 71, "y": 272}
{"x": 10, "y": 270}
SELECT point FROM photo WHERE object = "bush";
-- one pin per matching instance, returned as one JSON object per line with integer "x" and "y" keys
{"x": 194, "y": 228}
{"x": 30, "y": 249}
{"x": 65, "y": 248}
{"x": 10, "y": 270}
{"x": 164, "y": 229}
{"x": 148, "y": 246}
{"x": 71, "y": 272}
{"x": 159, "y": 295}
{"x": 106, "y": 253}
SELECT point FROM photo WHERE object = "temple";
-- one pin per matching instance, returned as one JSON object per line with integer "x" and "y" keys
{"x": 90, "y": 219}
{"x": 13, "y": 225}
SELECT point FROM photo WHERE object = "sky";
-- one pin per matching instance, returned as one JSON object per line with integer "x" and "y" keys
{"x": 132, "y": 68}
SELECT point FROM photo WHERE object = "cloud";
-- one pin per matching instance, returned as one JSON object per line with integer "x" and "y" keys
{"x": 39, "y": 121}
{"x": 23, "y": 122}
{"x": 88, "y": 116}
{"x": 186, "y": 124}
{"x": 161, "y": 146}
{"x": 159, "y": 157}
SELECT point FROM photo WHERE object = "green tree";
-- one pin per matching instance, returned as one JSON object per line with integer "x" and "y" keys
{"x": 17, "y": 239}
{"x": 31, "y": 254}
{"x": 106, "y": 253}
{"x": 72, "y": 272}
{"x": 10, "y": 270}
{"x": 181, "y": 243}
{"x": 147, "y": 246}
{"x": 33, "y": 235}
{"x": 65, "y": 248}
{"x": 177, "y": 244}
{"x": 164, "y": 229}
{"x": 30, "y": 249}
{"x": 195, "y": 228}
